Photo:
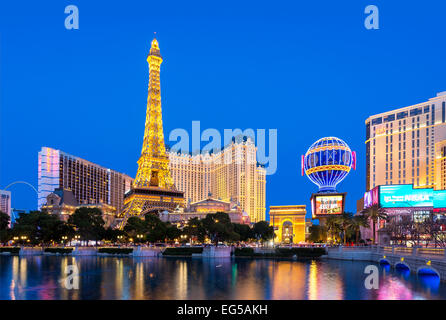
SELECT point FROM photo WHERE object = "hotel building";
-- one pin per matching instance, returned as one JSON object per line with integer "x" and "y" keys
{"x": 231, "y": 175}
{"x": 5, "y": 202}
{"x": 408, "y": 146}
{"x": 89, "y": 182}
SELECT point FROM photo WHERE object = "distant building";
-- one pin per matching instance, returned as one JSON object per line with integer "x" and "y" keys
{"x": 231, "y": 174}
{"x": 5, "y": 202}
{"x": 289, "y": 223}
{"x": 89, "y": 182}
{"x": 62, "y": 203}
{"x": 408, "y": 146}
{"x": 201, "y": 209}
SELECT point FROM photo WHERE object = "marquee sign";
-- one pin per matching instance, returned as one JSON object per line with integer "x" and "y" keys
{"x": 405, "y": 196}
{"x": 324, "y": 205}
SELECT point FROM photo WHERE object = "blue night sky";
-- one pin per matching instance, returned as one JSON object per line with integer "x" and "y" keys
{"x": 308, "y": 69}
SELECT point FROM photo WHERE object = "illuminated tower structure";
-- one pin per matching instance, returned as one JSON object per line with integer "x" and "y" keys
{"x": 153, "y": 189}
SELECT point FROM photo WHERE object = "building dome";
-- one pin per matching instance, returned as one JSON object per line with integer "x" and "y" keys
{"x": 327, "y": 162}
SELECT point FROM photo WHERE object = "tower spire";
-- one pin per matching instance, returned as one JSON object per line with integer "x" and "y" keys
{"x": 153, "y": 188}
{"x": 153, "y": 165}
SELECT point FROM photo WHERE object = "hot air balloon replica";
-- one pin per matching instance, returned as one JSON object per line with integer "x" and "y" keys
{"x": 326, "y": 163}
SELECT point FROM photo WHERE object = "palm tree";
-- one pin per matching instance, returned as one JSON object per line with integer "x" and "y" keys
{"x": 358, "y": 221}
{"x": 345, "y": 222}
{"x": 374, "y": 213}
{"x": 333, "y": 226}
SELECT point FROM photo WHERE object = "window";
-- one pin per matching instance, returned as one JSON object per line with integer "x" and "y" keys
{"x": 401, "y": 115}
{"x": 389, "y": 118}
{"x": 377, "y": 121}
{"x": 443, "y": 107}
{"x": 416, "y": 111}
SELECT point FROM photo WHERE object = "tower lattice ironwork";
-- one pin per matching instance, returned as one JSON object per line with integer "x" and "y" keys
{"x": 153, "y": 188}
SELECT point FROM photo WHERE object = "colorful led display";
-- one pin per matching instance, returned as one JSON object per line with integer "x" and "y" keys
{"x": 405, "y": 196}
{"x": 327, "y": 204}
{"x": 371, "y": 197}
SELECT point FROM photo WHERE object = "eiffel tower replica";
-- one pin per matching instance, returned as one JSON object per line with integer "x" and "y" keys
{"x": 153, "y": 189}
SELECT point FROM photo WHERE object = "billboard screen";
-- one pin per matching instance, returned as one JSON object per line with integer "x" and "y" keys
{"x": 440, "y": 199}
{"x": 404, "y": 196}
{"x": 371, "y": 197}
{"x": 327, "y": 204}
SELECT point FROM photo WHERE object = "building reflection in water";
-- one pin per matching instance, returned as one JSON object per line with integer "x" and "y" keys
{"x": 325, "y": 282}
{"x": 394, "y": 289}
{"x": 181, "y": 280}
{"x": 189, "y": 278}
{"x": 288, "y": 280}
{"x": 138, "y": 292}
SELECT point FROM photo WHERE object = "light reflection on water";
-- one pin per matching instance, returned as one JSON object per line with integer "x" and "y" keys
{"x": 39, "y": 277}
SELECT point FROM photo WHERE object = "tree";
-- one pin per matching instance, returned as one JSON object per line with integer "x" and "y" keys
{"x": 195, "y": 230}
{"x": 4, "y": 227}
{"x": 41, "y": 227}
{"x": 243, "y": 230}
{"x": 218, "y": 227}
{"x": 136, "y": 226}
{"x": 318, "y": 233}
{"x": 4, "y": 221}
{"x": 358, "y": 221}
{"x": 375, "y": 213}
{"x": 112, "y": 234}
{"x": 434, "y": 228}
{"x": 88, "y": 223}
{"x": 345, "y": 222}
{"x": 156, "y": 229}
{"x": 172, "y": 231}
{"x": 333, "y": 226}
{"x": 263, "y": 231}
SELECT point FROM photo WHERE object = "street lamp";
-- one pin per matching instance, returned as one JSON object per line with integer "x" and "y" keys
{"x": 140, "y": 237}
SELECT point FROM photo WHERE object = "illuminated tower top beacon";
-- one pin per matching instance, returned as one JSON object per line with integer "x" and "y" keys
{"x": 327, "y": 162}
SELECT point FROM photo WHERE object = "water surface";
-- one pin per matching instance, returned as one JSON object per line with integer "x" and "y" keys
{"x": 42, "y": 277}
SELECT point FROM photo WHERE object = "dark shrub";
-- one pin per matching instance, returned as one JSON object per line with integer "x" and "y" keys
{"x": 244, "y": 252}
{"x": 59, "y": 250}
{"x": 115, "y": 250}
{"x": 13, "y": 250}
{"x": 182, "y": 251}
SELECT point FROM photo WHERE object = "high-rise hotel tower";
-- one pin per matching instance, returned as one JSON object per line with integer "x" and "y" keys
{"x": 408, "y": 146}
{"x": 230, "y": 175}
{"x": 90, "y": 183}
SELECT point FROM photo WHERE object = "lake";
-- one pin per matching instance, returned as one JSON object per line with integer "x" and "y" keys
{"x": 42, "y": 277}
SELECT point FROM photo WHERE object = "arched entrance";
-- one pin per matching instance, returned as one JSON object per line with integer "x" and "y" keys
{"x": 287, "y": 232}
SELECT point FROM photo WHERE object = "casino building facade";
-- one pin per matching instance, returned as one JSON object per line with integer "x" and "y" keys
{"x": 89, "y": 182}
{"x": 397, "y": 201}
{"x": 231, "y": 175}
{"x": 408, "y": 146}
